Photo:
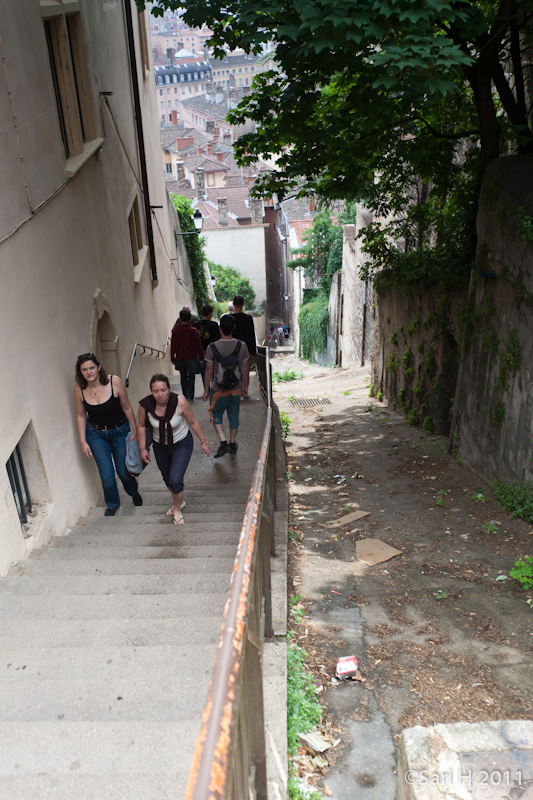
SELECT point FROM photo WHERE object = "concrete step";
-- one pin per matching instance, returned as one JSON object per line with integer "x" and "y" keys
{"x": 97, "y": 633}
{"x": 98, "y": 748}
{"x": 173, "y": 536}
{"x": 186, "y": 551}
{"x": 129, "y": 697}
{"x": 115, "y": 584}
{"x": 201, "y": 566}
{"x": 93, "y": 787}
{"x": 110, "y": 606}
{"x": 149, "y": 516}
{"x": 199, "y": 510}
{"x": 158, "y": 664}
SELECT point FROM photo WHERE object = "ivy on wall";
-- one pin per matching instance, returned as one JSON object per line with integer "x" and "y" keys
{"x": 313, "y": 322}
{"x": 195, "y": 247}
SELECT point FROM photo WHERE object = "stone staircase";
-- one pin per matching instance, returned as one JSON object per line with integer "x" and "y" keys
{"x": 108, "y": 641}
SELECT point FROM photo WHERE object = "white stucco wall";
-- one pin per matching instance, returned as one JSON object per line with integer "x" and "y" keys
{"x": 243, "y": 249}
{"x": 66, "y": 263}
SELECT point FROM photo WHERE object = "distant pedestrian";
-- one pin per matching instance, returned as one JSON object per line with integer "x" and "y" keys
{"x": 185, "y": 350}
{"x": 171, "y": 420}
{"x": 226, "y": 381}
{"x": 231, "y": 308}
{"x": 244, "y": 327}
{"x": 280, "y": 333}
{"x": 105, "y": 418}
{"x": 208, "y": 332}
{"x": 194, "y": 317}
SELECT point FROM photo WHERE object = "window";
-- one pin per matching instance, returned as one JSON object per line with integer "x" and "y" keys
{"x": 175, "y": 91}
{"x": 70, "y": 79}
{"x": 169, "y": 168}
{"x": 159, "y": 81}
{"x": 167, "y": 79}
{"x": 210, "y": 178}
{"x": 182, "y": 78}
{"x": 174, "y": 78}
{"x": 161, "y": 92}
{"x": 136, "y": 237}
{"x": 143, "y": 38}
{"x": 195, "y": 76}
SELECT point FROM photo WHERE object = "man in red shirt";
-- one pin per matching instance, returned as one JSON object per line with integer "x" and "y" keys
{"x": 185, "y": 349}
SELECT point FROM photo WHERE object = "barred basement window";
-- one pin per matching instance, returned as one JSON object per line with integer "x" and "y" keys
{"x": 19, "y": 484}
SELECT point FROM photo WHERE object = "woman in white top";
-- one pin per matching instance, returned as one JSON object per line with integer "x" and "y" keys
{"x": 170, "y": 417}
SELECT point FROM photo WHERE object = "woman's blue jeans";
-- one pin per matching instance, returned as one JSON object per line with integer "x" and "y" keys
{"x": 108, "y": 446}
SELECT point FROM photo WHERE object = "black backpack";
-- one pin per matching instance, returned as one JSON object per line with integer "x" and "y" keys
{"x": 228, "y": 374}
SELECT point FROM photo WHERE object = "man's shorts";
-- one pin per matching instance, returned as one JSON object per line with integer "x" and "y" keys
{"x": 229, "y": 401}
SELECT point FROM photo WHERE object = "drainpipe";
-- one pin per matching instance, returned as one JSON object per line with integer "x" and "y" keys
{"x": 140, "y": 139}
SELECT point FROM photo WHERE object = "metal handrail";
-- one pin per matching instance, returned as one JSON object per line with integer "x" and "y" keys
{"x": 153, "y": 351}
{"x": 211, "y": 761}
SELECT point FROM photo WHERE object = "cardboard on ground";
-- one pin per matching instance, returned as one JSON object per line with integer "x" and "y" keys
{"x": 348, "y": 518}
{"x": 374, "y": 551}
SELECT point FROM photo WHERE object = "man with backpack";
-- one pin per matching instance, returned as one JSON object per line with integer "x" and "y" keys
{"x": 208, "y": 332}
{"x": 226, "y": 381}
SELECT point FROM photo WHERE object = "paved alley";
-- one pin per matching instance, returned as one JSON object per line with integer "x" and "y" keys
{"x": 437, "y": 637}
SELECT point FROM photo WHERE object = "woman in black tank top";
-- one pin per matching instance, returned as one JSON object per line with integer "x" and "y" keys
{"x": 105, "y": 418}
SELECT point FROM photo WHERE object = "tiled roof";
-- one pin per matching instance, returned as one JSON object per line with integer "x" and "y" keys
{"x": 297, "y": 228}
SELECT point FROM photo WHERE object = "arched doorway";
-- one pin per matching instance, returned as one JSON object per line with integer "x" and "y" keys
{"x": 104, "y": 335}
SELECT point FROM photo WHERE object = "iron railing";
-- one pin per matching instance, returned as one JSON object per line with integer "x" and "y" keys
{"x": 230, "y": 756}
{"x": 19, "y": 484}
{"x": 154, "y": 351}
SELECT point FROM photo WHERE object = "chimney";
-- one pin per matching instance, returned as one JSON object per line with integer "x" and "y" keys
{"x": 311, "y": 204}
{"x": 251, "y": 179}
{"x": 257, "y": 210}
{"x": 210, "y": 148}
{"x": 220, "y": 156}
{"x": 180, "y": 171}
{"x": 184, "y": 141}
{"x": 170, "y": 55}
{"x": 174, "y": 116}
{"x": 199, "y": 179}
{"x": 222, "y": 210}
{"x": 210, "y": 126}
{"x": 199, "y": 151}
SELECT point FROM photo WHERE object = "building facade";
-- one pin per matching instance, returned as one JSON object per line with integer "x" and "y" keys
{"x": 181, "y": 80}
{"x": 89, "y": 259}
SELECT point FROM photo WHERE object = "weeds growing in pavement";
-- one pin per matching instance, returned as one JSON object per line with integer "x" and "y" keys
{"x": 285, "y": 424}
{"x": 523, "y": 572}
{"x": 286, "y": 375}
{"x": 488, "y": 527}
{"x": 303, "y": 712}
{"x": 516, "y": 498}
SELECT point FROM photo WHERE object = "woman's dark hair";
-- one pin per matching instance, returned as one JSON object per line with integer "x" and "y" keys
{"x": 159, "y": 377}
{"x": 103, "y": 377}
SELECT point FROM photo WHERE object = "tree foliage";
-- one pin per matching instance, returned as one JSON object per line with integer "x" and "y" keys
{"x": 231, "y": 282}
{"x": 359, "y": 83}
{"x": 321, "y": 255}
{"x": 390, "y": 103}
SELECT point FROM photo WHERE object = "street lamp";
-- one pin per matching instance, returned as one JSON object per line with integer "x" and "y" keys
{"x": 198, "y": 225}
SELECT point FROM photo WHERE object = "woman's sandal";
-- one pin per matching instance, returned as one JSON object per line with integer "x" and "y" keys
{"x": 180, "y": 520}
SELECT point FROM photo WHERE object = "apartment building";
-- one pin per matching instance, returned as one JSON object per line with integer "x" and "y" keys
{"x": 89, "y": 259}
{"x": 182, "y": 79}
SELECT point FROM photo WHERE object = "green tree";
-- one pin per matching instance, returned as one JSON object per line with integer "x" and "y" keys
{"x": 379, "y": 101}
{"x": 229, "y": 283}
{"x": 359, "y": 84}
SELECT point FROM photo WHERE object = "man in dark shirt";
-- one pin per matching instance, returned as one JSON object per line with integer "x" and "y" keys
{"x": 185, "y": 350}
{"x": 208, "y": 331}
{"x": 244, "y": 326}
